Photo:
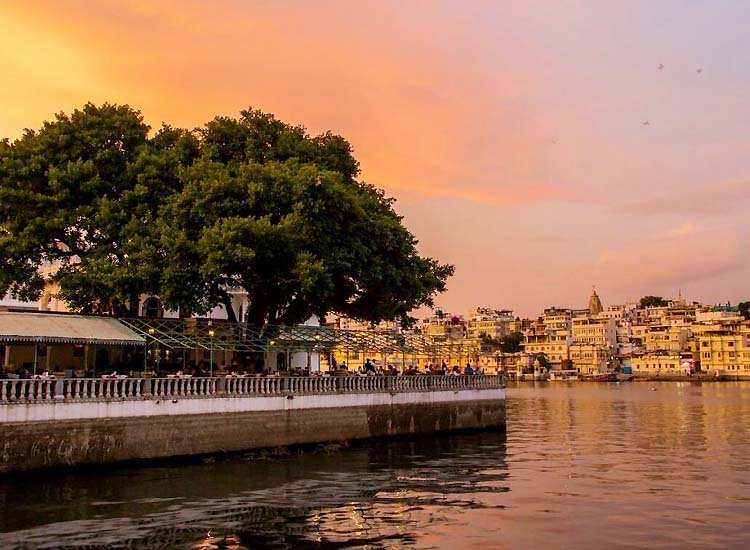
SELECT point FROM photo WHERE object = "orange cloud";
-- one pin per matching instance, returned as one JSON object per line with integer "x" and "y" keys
{"x": 420, "y": 117}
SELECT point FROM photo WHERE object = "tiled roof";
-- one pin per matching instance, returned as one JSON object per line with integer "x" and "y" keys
{"x": 65, "y": 329}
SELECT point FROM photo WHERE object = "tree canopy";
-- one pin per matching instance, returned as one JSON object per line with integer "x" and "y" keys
{"x": 250, "y": 204}
{"x": 509, "y": 343}
{"x": 744, "y": 309}
{"x": 652, "y": 301}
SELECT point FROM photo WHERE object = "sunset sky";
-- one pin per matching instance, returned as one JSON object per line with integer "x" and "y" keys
{"x": 511, "y": 133}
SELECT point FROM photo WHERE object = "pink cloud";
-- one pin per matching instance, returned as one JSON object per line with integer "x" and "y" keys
{"x": 685, "y": 254}
{"x": 714, "y": 200}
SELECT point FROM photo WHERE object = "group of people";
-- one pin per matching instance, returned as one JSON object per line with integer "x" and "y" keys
{"x": 370, "y": 368}
{"x": 23, "y": 373}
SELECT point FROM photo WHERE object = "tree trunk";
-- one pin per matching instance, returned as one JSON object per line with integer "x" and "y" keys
{"x": 226, "y": 301}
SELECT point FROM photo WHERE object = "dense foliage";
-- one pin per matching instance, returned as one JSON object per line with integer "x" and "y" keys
{"x": 250, "y": 204}
{"x": 652, "y": 301}
{"x": 509, "y": 343}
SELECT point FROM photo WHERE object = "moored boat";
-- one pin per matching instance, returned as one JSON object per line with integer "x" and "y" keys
{"x": 599, "y": 377}
{"x": 563, "y": 375}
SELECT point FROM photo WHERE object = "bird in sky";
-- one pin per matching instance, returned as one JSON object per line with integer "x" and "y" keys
{"x": 646, "y": 123}
{"x": 699, "y": 70}
{"x": 661, "y": 66}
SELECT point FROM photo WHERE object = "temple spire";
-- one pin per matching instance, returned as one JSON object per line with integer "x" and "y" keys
{"x": 595, "y": 304}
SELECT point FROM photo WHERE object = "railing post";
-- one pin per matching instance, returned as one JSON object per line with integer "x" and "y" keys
{"x": 59, "y": 388}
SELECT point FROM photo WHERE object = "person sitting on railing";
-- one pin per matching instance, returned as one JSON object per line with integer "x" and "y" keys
{"x": 200, "y": 370}
{"x": 23, "y": 373}
{"x": 468, "y": 369}
{"x": 369, "y": 367}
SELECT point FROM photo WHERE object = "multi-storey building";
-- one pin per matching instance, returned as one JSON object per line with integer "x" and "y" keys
{"x": 724, "y": 348}
{"x": 444, "y": 326}
{"x": 557, "y": 319}
{"x": 553, "y": 344}
{"x": 662, "y": 363}
{"x": 595, "y": 330}
{"x": 492, "y": 322}
{"x": 589, "y": 358}
{"x": 667, "y": 337}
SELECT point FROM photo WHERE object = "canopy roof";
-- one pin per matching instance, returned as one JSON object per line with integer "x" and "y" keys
{"x": 228, "y": 336}
{"x": 65, "y": 329}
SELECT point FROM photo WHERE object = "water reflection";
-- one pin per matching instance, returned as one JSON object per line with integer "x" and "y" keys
{"x": 582, "y": 466}
{"x": 376, "y": 495}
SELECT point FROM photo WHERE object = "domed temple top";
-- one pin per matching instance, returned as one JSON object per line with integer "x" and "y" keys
{"x": 595, "y": 304}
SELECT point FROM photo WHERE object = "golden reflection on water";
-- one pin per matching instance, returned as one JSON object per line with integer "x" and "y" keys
{"x": 581, "y": 466}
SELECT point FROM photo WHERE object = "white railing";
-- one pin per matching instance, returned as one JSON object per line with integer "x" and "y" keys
{"x": 253, "y": 385}
{"x": 100, "y": 388}
{"x": 184, "y": 387}
{"x": 26, "y": 390}
{"x": 89, "y": 389}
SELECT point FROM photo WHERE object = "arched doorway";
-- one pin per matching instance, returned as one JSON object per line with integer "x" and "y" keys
{"x": 152, "y": 308}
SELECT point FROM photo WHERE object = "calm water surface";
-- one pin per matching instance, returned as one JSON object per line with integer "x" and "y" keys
{"x": 581, "y": 466}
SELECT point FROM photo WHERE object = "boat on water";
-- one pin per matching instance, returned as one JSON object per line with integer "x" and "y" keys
{"x": 563, "y": 375}
{"x": 600, "y": 377}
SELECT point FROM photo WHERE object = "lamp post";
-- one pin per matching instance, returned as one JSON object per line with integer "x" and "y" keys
{"x": 211, "y": 360}
{"x": 146, "y": 352}
{"x": 267, "y": 355}
{"x": 316, "y": 348}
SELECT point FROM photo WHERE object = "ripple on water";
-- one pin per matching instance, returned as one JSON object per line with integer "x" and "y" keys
{"x": 585, "y": 466}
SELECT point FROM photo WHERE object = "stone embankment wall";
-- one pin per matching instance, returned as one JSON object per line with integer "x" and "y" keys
{"x": 65, "y": 432}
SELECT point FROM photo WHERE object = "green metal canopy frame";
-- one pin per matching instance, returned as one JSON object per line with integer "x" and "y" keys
{"x": 221, "y": 335}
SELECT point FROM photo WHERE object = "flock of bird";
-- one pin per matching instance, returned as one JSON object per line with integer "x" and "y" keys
{"x": 699, "y": 70}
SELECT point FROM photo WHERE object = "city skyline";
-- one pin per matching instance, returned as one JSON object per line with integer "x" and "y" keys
{"x": 539, "y": 148}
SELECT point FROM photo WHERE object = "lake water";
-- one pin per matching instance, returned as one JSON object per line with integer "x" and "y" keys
{"x": 581, "y": 466}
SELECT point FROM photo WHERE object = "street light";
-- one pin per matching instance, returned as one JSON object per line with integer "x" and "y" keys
{"x": 211, "y": 364}
{"x": 146, "y": 351}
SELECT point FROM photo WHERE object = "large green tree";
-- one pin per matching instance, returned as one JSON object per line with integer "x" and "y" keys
{"x": 82, "y": 193}
{"x": 250, "y": 204}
